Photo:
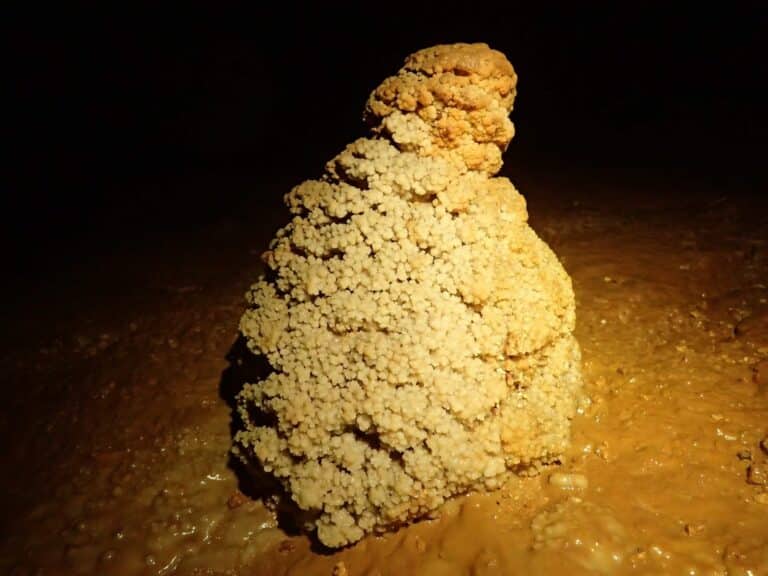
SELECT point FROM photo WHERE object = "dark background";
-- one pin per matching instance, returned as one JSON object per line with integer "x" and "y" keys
{"x": 130, "y": 126}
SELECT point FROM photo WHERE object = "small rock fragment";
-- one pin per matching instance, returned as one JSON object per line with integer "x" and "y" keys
{"x": 236, "y": 500}
{"x": 758, "y": 474}
{"x": 340, "y": 569}
{"x": 744, "y": 454}
{"x": 694, "y": 529}
{"x": 569, "y": 481}
{"x": 760, "y": 372}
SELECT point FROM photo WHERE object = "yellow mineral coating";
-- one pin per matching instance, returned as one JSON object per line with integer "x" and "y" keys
{"x": 420, "y": 334}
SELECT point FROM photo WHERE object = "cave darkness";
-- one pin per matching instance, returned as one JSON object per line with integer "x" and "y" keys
{"x": 128, "y": 127}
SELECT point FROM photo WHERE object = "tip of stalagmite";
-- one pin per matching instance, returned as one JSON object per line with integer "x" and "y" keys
{"x": 449, "y": 100}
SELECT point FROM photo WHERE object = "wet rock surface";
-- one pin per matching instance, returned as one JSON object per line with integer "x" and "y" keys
{"x": 119, "y": 417}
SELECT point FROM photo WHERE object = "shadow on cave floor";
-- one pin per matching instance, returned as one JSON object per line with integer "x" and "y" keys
{"x": 252, "y": 480}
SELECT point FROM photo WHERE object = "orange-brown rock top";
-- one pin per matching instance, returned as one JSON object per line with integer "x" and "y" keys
{"x": 449, "y": 100}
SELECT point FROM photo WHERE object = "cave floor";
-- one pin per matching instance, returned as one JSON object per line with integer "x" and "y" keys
{"x": 119, "y": 376}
